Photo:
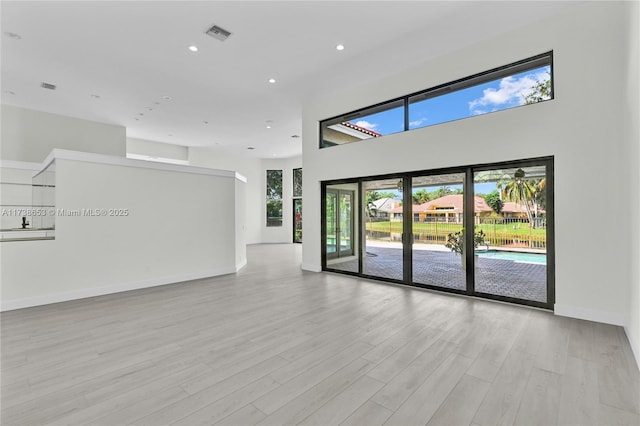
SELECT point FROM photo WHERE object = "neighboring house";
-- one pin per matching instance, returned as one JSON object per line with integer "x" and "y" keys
{"x": 346, "y": 132}
{"x": 449, "y": 209}
{"x": 511, "y": 209}
{"x": 382, "y": 208}
{"x": 444, "y": 209}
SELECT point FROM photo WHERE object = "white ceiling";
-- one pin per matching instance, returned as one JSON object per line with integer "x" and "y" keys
{"x": 132, "y": 53}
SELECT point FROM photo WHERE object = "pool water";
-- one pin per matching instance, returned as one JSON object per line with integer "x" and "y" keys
{"x": 514, "y": 256}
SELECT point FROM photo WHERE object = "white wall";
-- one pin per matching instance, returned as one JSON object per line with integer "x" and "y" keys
{"x": 632, "y": 112}
{"x": 157, "y": 149}
{"x": 248, "y": 167}
{"x": 582, "y": 128}
{"x": 254, "y": 170}
{"x": 181, "y": 225}
{"x": 29, "y": 135}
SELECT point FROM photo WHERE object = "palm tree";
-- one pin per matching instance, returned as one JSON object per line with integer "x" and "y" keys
{"x": 521, "y": 191}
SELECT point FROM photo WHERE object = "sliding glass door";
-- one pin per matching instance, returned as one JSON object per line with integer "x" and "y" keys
{"x": 384, "y": 228}
{"x": 437, "y": 216}
{"x": 512, "y": 223}
{"x": 478, "y": 230}
{"x": 340, "y": 241}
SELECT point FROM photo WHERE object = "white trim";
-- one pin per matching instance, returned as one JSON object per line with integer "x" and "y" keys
{"x": 241, "y": 264}
{"x": 9, "y": 305}
{"x": 310, "y": 267}
{"x": 21, "y": 165}
{"x": 241, "y": 178}
{"x": 634, "y": 346}
{"x": 63, "y": 154}
{"x": 144, "y": 157}
{"x": 605, "y": 317}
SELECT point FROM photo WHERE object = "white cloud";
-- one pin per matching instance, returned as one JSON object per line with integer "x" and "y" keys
{"x": 366, "y": 125}
{"x": 511, "y": 92}
{"x": 417, "y": 123}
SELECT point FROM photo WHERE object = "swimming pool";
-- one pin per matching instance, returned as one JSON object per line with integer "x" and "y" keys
{"x": 515, "y": 256}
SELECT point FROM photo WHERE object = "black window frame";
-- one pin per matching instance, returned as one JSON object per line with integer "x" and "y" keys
{"x": 537, "y": 61}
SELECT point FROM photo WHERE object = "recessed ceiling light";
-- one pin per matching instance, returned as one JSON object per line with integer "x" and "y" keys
{"x": 340, "y": 47}
{"x": 272, "y": 80}
{"x": 12, "y": 35}
{"x": 250, "y": 147}
{"x": 193, "y": 48}
{"x": 48, "y": 86}
{"x": 167, "y": 98}
{"x": 295, "y": 136}
{"x": 205, "y": 122}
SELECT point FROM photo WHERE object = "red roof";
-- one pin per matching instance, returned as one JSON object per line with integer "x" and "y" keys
{"x": 448, "y": 203}
{"x": 361, "y": 129}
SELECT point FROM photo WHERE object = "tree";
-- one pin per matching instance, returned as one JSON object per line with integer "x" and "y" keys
{"x": 494, "y": 201}
{"x": 541, "y": 92}
{"x": 520, "y": 190}
{"x": 421, "y": 196}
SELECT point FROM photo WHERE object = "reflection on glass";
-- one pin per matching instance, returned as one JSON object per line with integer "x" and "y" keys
{"x": 332, "y": 202}
{"x": 297, "y": 220}
{"x": 384, "y": 228}
{"x": 438, "y": 216}
{"x": 341, "y": 236}
{"x": 513, "y": 260}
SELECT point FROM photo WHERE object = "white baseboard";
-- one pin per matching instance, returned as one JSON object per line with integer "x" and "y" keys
{"x": 241, "y": 265}
{"x": 310, "y": 267}
{"x": 605, "y": 317}
{"x": 10, "y": 305}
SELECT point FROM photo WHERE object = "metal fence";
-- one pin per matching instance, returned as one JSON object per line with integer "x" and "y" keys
{"x": 499, "y": 232}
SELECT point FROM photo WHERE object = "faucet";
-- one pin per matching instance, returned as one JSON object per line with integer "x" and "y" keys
{"x": 24, "y": 222}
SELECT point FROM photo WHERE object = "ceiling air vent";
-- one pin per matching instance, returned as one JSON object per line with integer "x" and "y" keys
{"x": 219, "y": 33}
{"x": 48, "y": 86}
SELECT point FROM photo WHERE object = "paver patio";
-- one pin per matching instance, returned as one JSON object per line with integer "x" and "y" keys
{"x": 444, "y": 269}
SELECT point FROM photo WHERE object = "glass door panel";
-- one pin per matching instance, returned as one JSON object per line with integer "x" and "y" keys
{"x": 331, "y": 218}
{"x": 511, "y": 232}
{"x": 345, "y": 230}
{"x": 341, "y": 226}
{"x": 297, "y": 220}
{"x": 383, "y": 256}
{"x": 437, "y": 219}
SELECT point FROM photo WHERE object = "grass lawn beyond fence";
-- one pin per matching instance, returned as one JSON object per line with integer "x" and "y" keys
{"x": 517, "y": 234}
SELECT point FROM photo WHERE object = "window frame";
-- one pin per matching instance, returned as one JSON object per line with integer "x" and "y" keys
{"x": 537, "y": 61}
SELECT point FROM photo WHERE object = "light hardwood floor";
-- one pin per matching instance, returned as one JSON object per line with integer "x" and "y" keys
{"x": 274, "y": 345}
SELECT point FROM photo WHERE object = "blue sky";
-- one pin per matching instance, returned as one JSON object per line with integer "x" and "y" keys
{"x": 497, "y": 95}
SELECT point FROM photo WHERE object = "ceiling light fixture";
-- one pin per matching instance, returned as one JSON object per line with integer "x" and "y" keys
{"x": 272, "y": 80}
{"x": 205, "y": 122}
{"x": 193, "y": 48}
{"x": 250, "y": 147}
{"x": 295, "y": 136}
{"x": 340, "y": 47}
{"x": 48, "y": 86}
{"x": 167, "y": 98}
